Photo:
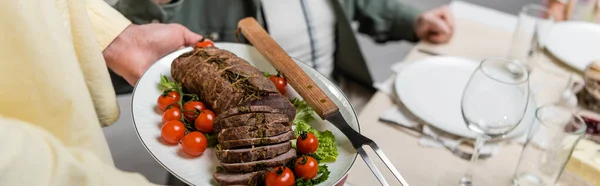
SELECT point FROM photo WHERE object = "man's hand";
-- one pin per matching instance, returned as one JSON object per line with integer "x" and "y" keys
{"x": 435, "y": 26}
{"x": 139, "y": 46}
{"x": 557, "y": 10}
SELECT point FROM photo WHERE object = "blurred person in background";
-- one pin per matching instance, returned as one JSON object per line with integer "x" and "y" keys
{"x": 317, "y": 32}
{"x": 580, "y": 10}
{"x": 55, "y": 91}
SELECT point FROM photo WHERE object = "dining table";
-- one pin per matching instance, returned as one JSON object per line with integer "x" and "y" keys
{"x": 479, "y": 33}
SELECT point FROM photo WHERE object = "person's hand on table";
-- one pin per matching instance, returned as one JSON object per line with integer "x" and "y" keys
{"x": 435, "y": 26}
{"x": 139, "y": 46}
{"x": 557, "y": 10}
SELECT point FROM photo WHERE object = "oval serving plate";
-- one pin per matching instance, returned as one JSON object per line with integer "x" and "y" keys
{"x": 199, "y": 170}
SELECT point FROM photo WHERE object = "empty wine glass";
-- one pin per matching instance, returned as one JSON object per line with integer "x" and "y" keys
{"x": 493, "y": 104}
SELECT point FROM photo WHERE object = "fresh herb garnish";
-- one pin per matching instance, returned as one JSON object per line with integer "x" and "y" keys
{"x": 211, "y": 139}
{"x": 324, "y": 175}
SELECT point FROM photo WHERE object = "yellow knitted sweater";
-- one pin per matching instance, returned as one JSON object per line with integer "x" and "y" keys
{"x": 56, "y": 93}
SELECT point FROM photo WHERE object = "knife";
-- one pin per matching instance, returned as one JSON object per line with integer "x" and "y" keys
{"x": 312, "y": 94}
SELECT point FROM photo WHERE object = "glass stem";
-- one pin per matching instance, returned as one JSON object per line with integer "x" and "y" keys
{"x": 467, "y": 179}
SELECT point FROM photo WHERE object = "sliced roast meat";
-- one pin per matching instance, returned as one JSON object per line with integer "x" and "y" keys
{"x": 220, "y": 78}
{"x": 250, "y": 119}
{"x": 279, "y": 102}
{"x": 229, "y": 144}
{"x": 260, "y": 165}
{"x": 256, "y": 131}
{"x": 245, "y": 110}
{"x": 252, "y": 154}
{"x": 249, "y": 179}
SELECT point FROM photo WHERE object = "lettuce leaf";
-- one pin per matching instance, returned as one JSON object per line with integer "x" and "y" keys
{"x": 304, "y": 113}
{"x": 327, "y": 150}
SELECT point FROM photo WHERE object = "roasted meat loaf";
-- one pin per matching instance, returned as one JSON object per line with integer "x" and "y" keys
{"x": 225, "y": 81}
{"x": 254, "y": 121}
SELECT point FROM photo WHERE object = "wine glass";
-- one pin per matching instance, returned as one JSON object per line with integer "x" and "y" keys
{"x": 493, "y": 104}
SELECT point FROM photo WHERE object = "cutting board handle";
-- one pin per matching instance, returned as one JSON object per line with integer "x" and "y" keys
{"x": 295, "y": 76}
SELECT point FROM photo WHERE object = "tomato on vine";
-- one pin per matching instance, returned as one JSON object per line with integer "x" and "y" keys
{"x": 204, "y": 121}
{"x": 194, "y": 143}
{"x": 281, "y": 176}
{"x": 172, "y": 131}
{"x": 279, "y": 81}
{"x": 204, "y": 43}
{"x": 171, "y": 114}
{"x": 307, "y": 143}
{"x": 306, "y": 167}
{"x": 191, "y": 109}
{"x": 168, "y": 98}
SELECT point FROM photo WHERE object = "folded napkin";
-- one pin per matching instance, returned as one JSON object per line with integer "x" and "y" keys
{"x": 397, "y": 114}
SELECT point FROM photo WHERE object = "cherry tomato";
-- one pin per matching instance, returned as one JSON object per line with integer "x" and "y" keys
{"x": 205, "y": 43}
{"x": 204, "y": 121}
{"x": 190, "y": 108}
{"x": 171, "y": 114}
{"x": 281, "y": 176}
{"x": 167, "y": 99}
{"x": 307, "y": 143}
{"x": 172, "y": 132}
{"x": 306, "y": 167}
{"x": 279, "y": 82}
{"x": 194, "y": 143}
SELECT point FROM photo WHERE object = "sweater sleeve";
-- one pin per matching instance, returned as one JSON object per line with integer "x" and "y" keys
{"x": 107, "y": 22}
{"x": 36, "y": 157}
{"x": 386, "y": 20}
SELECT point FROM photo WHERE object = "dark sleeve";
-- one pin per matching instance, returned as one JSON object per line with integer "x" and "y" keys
{"x": 146, "y": 11}
{"x": 386, "y": 20}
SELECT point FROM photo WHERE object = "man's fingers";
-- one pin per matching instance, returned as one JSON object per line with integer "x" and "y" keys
{"x": 446, "y": 15}
{"x": 189, "y": 38}
{"x": 439, "y": 31}
{"x": 439, "y": 38}
{"x": 439, "y": 26}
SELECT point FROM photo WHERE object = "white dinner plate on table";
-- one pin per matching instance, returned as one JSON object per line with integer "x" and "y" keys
{"x": 432, "y": 88}
{"x": 199, "y": 170}
{"x": 575, "y": 43}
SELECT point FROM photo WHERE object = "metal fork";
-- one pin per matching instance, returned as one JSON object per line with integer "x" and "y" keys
{"x": 358, "y": 142}
{"x": 383, "y": 157}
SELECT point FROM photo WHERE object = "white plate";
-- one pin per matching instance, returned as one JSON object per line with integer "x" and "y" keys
{"x": 199, "y": 170}
{"x": 432, "y": 89}
{"x": 575, "y": 43}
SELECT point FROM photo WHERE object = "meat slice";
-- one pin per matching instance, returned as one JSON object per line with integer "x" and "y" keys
{"x": 256, "y": 131}
{"x": 252, "y": 154}
{"x": 245, "y": 110}
{"x": 249, "y": 179}
{"x": 229, "y": 144}
{"x": 279, "y": 102}
{"x": 259, "y": 165}
{"x": 250, "y": 119}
